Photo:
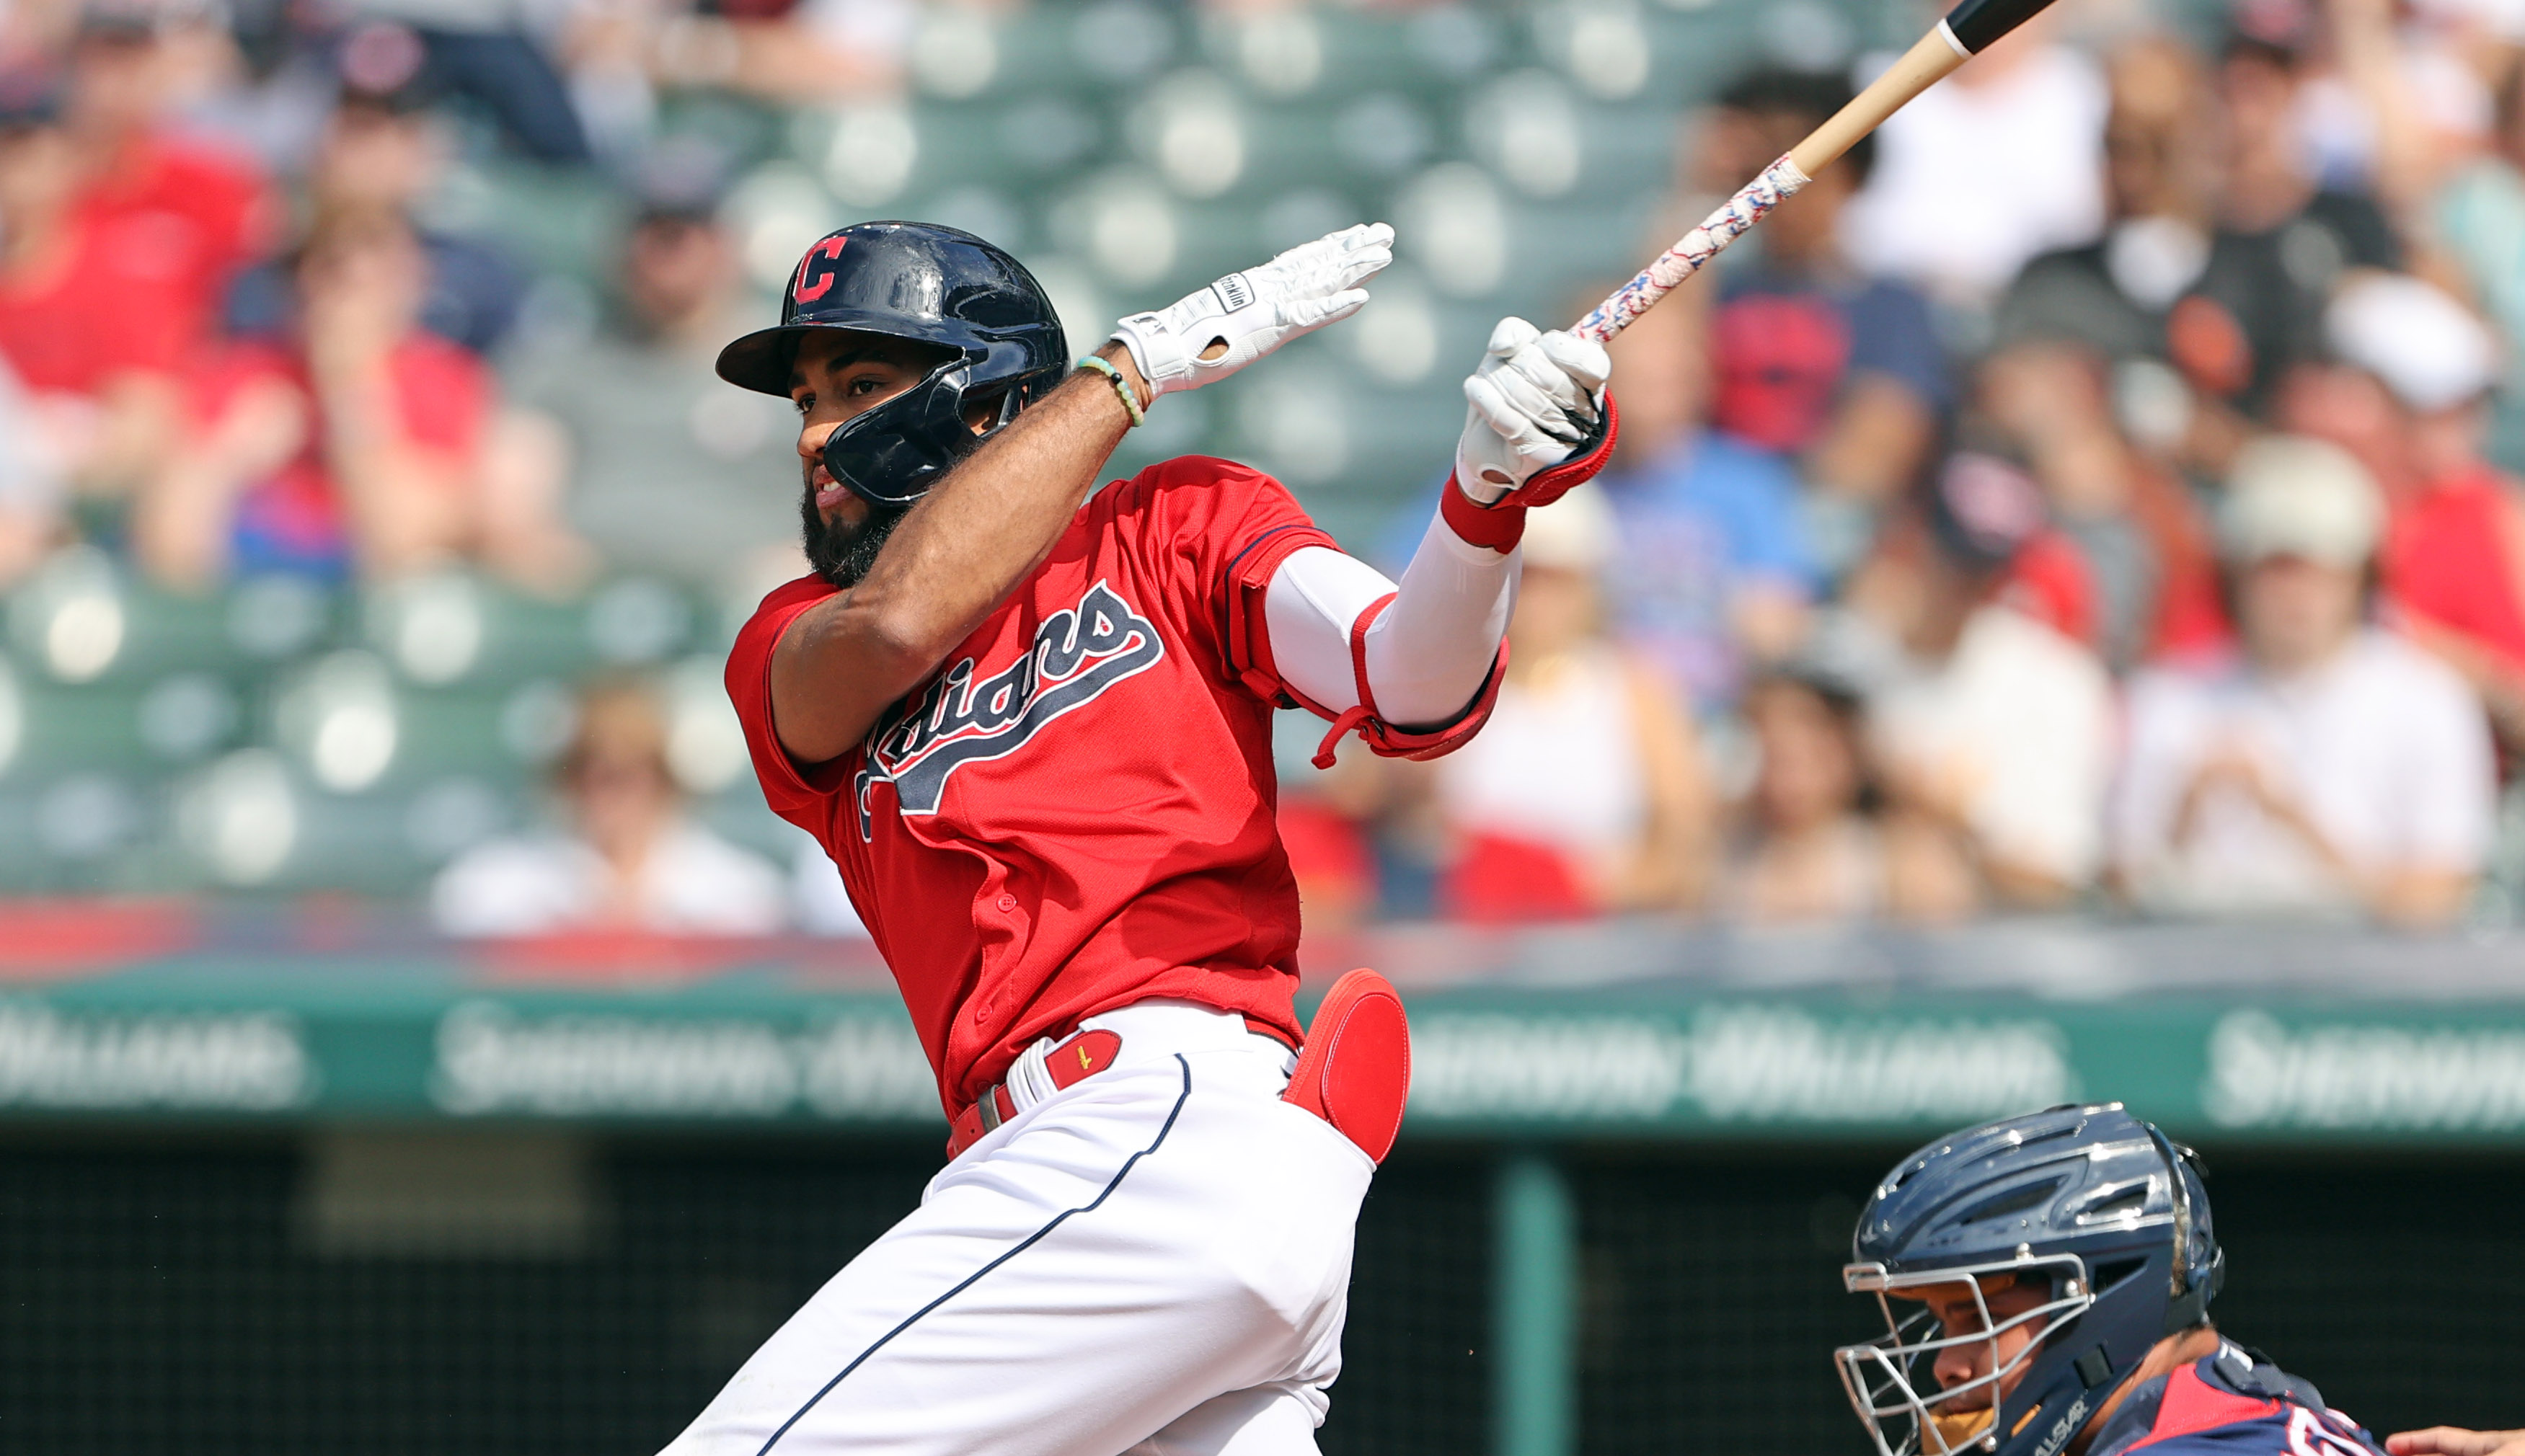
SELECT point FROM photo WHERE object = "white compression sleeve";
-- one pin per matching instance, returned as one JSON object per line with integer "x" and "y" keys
{"x": 1427, "y": 653}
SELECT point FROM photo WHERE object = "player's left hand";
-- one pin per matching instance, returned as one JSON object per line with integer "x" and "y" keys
{"x": 1539, "y": 419}
{"x": 1211, "y": 334}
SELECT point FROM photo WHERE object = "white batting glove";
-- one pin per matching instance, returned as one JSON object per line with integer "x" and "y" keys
{"x": 1534, "y": 403}
{"x": 1211, "y": 334}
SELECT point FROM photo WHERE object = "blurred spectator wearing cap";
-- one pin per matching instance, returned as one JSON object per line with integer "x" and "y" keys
{"x": 383, "y": 151}
{"x": 1814, "y": 360}
{"x": 1984, "y": 170}
{"x": 624, "y": 856}
{"x": 2408, "y": 396}
{"x": 668, "y": 469}
{"x": 1992, "y": 729}
{"x": 1584, "y": 793}
{"x": 2331, "y": 769}
{"x": 356, "y": 445}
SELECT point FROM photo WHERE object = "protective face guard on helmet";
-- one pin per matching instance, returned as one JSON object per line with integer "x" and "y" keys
{"x": 1885, "y": 1377}
{"x": 2102, "y": 1204}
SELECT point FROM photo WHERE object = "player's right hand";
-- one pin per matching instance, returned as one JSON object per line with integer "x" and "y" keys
{"x": 1211, "y": 334}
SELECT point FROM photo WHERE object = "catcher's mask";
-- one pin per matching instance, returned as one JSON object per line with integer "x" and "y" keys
{"x": 934, "y": 285}
{"x": 2097, "y": 1210}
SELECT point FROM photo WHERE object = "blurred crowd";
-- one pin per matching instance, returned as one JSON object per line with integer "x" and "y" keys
{"x": 2093, "y": 494}
{"x": 234, "y": 340}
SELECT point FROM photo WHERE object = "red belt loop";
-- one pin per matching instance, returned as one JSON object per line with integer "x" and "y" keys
{"x": 1070, "y": 1063}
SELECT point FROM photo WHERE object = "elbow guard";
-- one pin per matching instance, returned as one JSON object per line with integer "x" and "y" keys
{"x": 1384, "y": 739}
{"x": 1250, "y": 655}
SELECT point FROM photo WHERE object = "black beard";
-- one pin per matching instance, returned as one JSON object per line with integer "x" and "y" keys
{"x": 841, "y": 555}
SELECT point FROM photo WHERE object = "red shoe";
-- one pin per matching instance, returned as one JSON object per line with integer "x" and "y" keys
{"x": 1356, "y": 1071}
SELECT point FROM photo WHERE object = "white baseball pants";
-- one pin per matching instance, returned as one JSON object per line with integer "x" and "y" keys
{"x": 1153, "y": 1262}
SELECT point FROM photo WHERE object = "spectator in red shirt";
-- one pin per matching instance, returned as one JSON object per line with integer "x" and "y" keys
{"x": 189, "y": 213}
{"x": 2408, "y": 393}
{"x": 90, "y": 330}
{"x": 356, "y": 446}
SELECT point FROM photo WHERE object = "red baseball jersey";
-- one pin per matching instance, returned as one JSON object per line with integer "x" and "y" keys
{"x": 1075, "y": 812}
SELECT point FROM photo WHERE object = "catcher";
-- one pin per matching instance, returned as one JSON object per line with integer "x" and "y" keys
{"x": 2046, "y": 1284}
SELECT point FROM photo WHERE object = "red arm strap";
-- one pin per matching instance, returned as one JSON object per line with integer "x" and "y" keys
{"x": 1502, "y": 524}
{"x": 1385, "y": 740}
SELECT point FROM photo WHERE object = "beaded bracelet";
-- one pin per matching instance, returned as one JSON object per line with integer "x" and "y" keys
{"x": 1121, "y": 386}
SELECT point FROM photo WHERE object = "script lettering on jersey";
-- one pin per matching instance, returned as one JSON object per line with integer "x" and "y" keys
{"x": 1077, "y": 654}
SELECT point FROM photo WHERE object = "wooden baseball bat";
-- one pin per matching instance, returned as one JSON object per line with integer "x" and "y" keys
{"x": 1965, "y": 32}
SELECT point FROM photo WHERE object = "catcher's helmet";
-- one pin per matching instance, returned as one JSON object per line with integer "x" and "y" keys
{"x": 932, "y": 284}
{"x": 2089, "y": 1203}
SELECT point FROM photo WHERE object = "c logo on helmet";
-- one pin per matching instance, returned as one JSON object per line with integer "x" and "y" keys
{"x": 801, "y": 291}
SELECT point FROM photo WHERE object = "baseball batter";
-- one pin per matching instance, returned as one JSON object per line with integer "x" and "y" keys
{"x": 1030, "y": 721}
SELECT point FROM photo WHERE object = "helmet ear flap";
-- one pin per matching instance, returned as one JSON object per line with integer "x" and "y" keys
{"x": 892, "y": 455}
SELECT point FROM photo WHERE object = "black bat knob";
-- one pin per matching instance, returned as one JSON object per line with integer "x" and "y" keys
{"x": 1975, "y": 24}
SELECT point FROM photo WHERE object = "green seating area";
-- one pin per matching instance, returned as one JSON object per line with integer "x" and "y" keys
{"x": 283, "y": 737}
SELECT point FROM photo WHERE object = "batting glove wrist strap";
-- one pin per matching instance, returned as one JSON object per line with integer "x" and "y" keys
{"x": 1536, "y": 407}
{"x": 1211, "y": 334}
{"x": 1587, "y": 459}
{"x": 1499, "y": 527}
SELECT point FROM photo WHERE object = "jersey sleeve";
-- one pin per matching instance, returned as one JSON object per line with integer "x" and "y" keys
{"x": 791, "y": 791}
{"x": 1220, "y": 530}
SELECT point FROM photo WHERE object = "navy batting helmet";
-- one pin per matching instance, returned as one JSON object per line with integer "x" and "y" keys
{"x": 934, "y": 285}
{"x": 2092, "y": 1206}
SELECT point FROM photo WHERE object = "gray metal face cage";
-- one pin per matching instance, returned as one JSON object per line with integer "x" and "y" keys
{"x": 1879, "y": 1375}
